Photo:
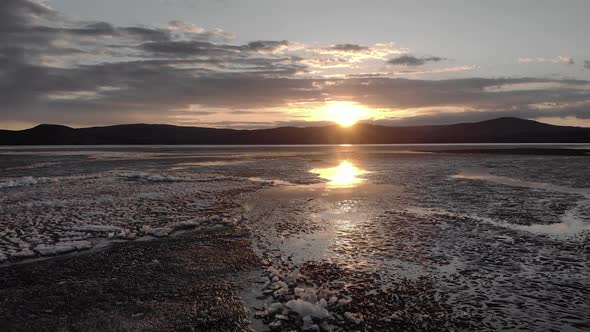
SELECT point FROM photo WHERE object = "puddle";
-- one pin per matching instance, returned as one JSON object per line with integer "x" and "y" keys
{"x": 345, "y": 175}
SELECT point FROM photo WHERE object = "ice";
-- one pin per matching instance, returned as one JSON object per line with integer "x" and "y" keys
{"x": 159, "y": 231}
{"x": 94, "y": 154}
{"x": 105, "y": 205}
{"x": 355, "y": 319}
{"x": 484, "y": 175}
{"x": 570, "y": 225}
{"x": 33, "y": 166}
{"x": 155, "y": 177}
{"x": 24, "y": 181}
{"x": 274, "y": 307}
{"x": 187, "y": 224}
{"x": 304, "y": 308}
{"x": 308, "y": 295}
{"x": 98, "y": 228}
{"x": 308, "y": 324}
{"x": 23, "y": 253}
{"x": 62, "y": 247}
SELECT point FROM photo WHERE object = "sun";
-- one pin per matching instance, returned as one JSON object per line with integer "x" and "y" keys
{"x": 345, "y": 113}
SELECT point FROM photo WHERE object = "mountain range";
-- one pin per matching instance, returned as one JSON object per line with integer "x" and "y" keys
{"x": 501, "y": 130}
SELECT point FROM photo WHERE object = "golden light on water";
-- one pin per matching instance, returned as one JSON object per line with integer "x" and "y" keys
{"x": 345, "y": 113}
{"x": 345, "y": 175}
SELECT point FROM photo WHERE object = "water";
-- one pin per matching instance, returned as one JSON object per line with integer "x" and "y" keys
{"x": 504, "y": 237}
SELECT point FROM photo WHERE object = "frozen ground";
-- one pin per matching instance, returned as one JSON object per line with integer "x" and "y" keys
{"x": 352, "y": 238}
{"x": 52, "y": 215}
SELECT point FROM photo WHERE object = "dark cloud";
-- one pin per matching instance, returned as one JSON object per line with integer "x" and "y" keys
{"x": 189, "y": 48}
{"x": 147, "y": 34}
{"x": 410, "y": 60}
{"x": 266, "y": 45}
{"x": 587, "y": 64}
{"x": 19, "y": 15}
{"x": 348, "y": 48}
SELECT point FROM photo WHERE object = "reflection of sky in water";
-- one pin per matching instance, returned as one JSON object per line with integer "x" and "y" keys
{"x": 345, "y": 175}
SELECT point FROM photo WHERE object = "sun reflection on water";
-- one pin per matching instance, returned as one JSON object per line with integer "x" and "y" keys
{"x": 345, "y": 175}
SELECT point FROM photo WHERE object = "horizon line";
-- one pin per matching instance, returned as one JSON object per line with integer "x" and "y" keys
{"x": 292, "y": 126}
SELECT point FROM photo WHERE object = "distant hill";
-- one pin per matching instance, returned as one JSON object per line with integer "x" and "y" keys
{"x": 502, "y": 130}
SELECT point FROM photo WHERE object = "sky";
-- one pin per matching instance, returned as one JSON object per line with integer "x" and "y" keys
{"x": 269, "y": 63}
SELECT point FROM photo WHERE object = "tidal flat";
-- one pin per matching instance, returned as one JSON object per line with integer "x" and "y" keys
{"x": 312, "y": 238}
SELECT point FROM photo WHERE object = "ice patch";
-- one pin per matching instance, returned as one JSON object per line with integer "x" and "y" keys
{"x": 187, "y": 224}
{"x": 484, "y": 175}
{"x": 304, "y": 308}
{"x": 62, "y": 247}
{"x": 33, "y": 166}
{"x": 308, "y": 295}
{"x": 571, "y": 224}
{"x": 154, "y": 178}
{"x": 23, "y": 253}
{"x": 158, "y": 231}
{"x": 95, "y": 154}
{"x": 210, "y": 163}
{"x": 98, "y": 228}
{"x": 25, "y": 181}
{"x": 273, "y": 181}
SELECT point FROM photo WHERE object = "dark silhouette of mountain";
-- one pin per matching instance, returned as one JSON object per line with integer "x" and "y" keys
{"x": 502, "y": 130}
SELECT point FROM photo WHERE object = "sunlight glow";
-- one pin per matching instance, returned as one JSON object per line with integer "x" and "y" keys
{"x": 345, "y": 175}
{"x": 345, "y": 113}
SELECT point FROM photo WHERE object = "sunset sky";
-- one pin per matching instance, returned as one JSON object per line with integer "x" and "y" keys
{"x": 257, "y": 64}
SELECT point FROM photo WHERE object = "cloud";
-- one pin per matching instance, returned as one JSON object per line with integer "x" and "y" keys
{"x": 559, "y": 59}
{"x": 266, "y": 45}
{"x": 587, "y": 64}
{"x": 190, "y": 31}
{"x": 189, "y": 48}
{"x": 55, "y": 69}
{"x": 410, "y": 60}
{"x": 347, "y": 47}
